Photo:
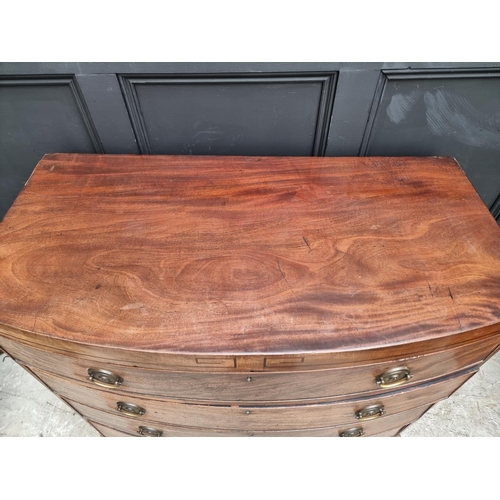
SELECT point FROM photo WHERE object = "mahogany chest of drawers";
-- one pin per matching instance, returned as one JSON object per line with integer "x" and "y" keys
{"x": 249, "y": 296}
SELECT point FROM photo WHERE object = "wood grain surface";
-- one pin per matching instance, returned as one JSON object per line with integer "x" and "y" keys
{"x": 231, "y": 255}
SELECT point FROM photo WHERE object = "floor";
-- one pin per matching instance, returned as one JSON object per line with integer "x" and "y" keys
{"x": 27, "y": 408}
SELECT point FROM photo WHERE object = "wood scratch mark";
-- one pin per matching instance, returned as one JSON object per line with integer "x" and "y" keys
{"x": 133, "y": 305}
{"x": 456, "y": 315}
{"x": 284, "y": 276}
{"x": 430, "y": 289}
{"x": 307, "y": 243}
{"x": 294, "y": 166}
{"x": 281, "y": 271}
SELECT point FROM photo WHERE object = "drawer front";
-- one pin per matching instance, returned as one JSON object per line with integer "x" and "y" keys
{"x": 255, "y": 387}
{"x": 110, "y": 425}
{"x": 254, "y": 417}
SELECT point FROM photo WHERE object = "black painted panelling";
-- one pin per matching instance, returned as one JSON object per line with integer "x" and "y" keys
{"x": 105, "y": 102}
{"x": 39, "y": 116}
{"x": 444, "y": 114}
{"x": 495, "y": 209}
{"x": 353, "y": 100}
{"x": 231, "y": 116}
{"x": 206, "y": 68}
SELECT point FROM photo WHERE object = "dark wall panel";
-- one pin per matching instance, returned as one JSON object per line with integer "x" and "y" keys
{"x": 105, "y": 103}
{"x": 38, "y": 116}
{"x": 441, "y": 113}
{"x": 231, "y": 116}
{"x": 353, "y": 100}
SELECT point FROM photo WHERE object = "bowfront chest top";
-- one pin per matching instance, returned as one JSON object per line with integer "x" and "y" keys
{"x": 184, "y": 295}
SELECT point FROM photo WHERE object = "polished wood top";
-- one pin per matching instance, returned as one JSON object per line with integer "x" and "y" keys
{"x": 248, "y": 254}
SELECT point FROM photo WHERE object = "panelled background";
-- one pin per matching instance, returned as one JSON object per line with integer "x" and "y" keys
{"x": 303, "y": 109}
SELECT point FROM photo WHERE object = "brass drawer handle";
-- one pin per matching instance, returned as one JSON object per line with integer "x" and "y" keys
{"x": 149, "y": 432}
{"x": 130, "y": 409}
{"x": 354, "y": 432}
{"x": 370, "y": 412}
{"x": 394, "y": 377}
{"x": 104, "y": 378}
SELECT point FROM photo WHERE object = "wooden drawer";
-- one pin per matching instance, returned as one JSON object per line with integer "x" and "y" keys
{"x": 111, "y": 424}
{"x": 256, "y": 417}
{"x": 255, "y": 387}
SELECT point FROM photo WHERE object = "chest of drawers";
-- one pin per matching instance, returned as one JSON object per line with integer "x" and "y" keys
{"x": 249, "y": 296}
